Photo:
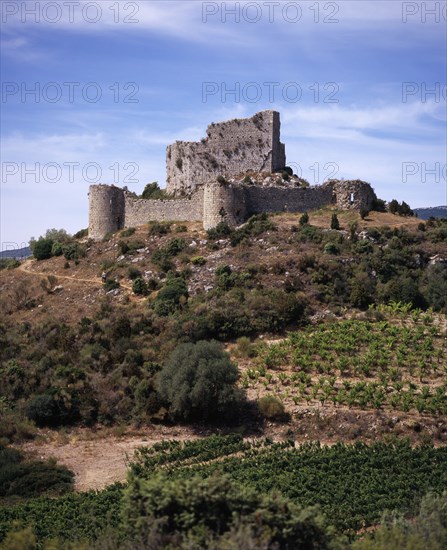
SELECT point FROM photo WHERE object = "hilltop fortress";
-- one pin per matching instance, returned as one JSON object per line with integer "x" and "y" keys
{"x": 233, "y": 173}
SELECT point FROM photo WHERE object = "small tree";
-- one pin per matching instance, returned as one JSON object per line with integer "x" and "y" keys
{"x": 304, "y": 220}
{"x": 363, "y": 213}
{"x": 152, "y": 191}
{"x": 42, "y": 248}
{"x": 335, "y": 224}
{"x": 393, "y": 206}
{"x": 199, "y": 381}
{"x": 405, "y": 210}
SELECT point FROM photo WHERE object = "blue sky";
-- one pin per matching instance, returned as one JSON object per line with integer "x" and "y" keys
{"x": 360, "y": 85}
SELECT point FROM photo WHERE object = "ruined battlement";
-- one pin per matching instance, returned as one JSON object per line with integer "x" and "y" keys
{"x": 197, "y": 193}
{"x": 230, "y": 148}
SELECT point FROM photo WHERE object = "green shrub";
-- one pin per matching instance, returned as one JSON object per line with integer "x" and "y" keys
{"x": 335, "y": 224}
{"x": 435, "y": 291}
{"x": 127, "y": 232}
{"x": 130, "y": 247}
{"x": 256, "y": 225}
{"x": 426, "y": 531}
{"x": 139, "y": 286}
{"x": 9, "y": 263}
{"x": 159, "y": 228}
{"x": 217, "y": 512}
{"x": 181, "y": 229}
{"x": 198, "y": 381}
{"x": 153, "y": 191}
{"x": 81, "y": 234}
{"x": 42, "y": 248}
{"x": 331, "y": 248}
{"x": 271, "y": 407}
{"x": 198, "y": 260}
{"x": 43, "y": 410}
{"x": 162, "y": 256}
{"x": 221, "y": 230}
{"x": 133, "y": 273}
{"x": 73, "y": 251}
{"x": 171, "y": 296}
{"x": 57, "y": 249}
{"x": 304, "y": 219}
{"x": 111, "y": 284}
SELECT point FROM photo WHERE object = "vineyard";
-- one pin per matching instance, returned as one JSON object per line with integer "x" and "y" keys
{"x": 353, "y": 484}
{"x": 358, "y": 363}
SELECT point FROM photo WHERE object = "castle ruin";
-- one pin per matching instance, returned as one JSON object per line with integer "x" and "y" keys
{"x": 227, "y": 176}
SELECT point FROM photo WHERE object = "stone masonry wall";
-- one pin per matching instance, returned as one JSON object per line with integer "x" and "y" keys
{"x": 230, "y": 148}
{"x": 141, "y": 211}
{"x": 106, "y": 210}
{"x": 277, "y": 199}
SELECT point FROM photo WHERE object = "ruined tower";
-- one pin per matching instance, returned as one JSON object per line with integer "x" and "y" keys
{"x": 106, "y": 210}
{"x": 230, "y": 148}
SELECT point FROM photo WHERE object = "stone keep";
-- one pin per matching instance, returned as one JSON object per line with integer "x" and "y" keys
{"x": 195, "y": 194}
{"x": 230, "y": 148}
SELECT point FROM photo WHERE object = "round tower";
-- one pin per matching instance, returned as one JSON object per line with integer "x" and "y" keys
{"x": 106, "y": 210}
{"x": 218, "y": 205}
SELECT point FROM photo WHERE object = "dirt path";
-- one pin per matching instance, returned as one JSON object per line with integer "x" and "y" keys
{"x": 99, "y": 460}
{"x": 27, "y": 264}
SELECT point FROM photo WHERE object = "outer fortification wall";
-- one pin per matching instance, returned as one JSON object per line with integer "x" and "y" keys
{"x": 141, "y": 211}
{"x": 112, "y": 208}
{"x": 230, "y": 148}
{"x": 277, "y": 199}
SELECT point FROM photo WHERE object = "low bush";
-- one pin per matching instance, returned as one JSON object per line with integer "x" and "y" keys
{"x": 139, "y": 286}
{"x": 271, "y": 407}
{"x": 159, "y": 228}
{"x": 127, "y": 232}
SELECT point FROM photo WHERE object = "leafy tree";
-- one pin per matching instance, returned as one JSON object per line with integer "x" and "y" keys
{"x": 405, "y": 210}
{"x": 43, "y": 410}
{"x": 436, "y": 287}
{"x": 393, "y": 206}
{"x": 42, "y": 248}
{"x": 199, "y": 381}
{"x": 59, "y": 235}
{"x": 403, "y": 288}
{"x": 152, "y": 191}
{"x": 335, "y": 224}
{"x": 378, "y": 205}
{"x": 362, "y": 291}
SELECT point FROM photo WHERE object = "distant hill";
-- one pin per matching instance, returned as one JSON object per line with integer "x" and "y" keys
{"x": 18, "y": 253}
{"x": 434, "y": 212}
